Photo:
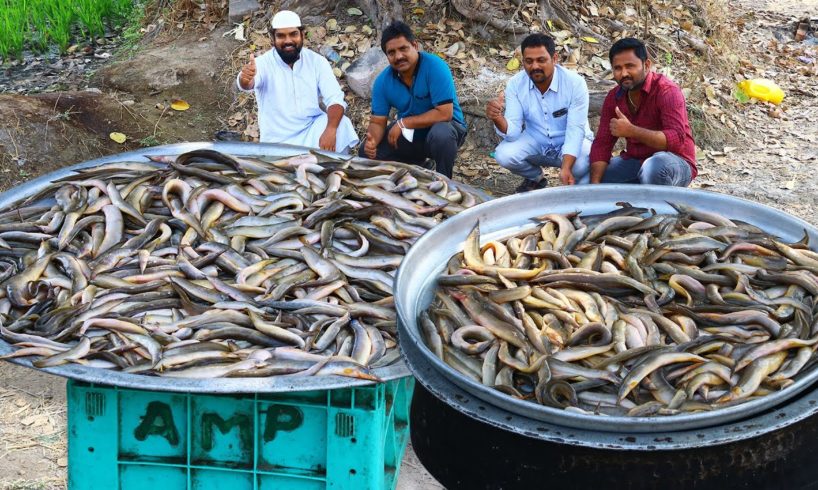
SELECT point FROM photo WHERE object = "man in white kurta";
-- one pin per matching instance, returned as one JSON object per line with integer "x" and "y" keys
{"x": 290, "y": 83}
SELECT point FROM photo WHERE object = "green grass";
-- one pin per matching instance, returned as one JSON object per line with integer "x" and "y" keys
{"x": 39, "y": 24}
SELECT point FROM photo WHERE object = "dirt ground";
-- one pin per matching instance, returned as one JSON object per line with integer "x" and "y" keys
{"x": 771, "y": 157}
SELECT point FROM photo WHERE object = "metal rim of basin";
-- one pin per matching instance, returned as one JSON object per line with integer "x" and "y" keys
{"x": 277, "y": 384}
{"x": 508, "y": 215}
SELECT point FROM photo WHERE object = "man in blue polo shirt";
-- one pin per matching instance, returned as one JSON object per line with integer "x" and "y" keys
{"x": 429, "y": 122}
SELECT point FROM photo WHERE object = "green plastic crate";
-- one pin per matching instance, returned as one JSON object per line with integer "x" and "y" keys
{"x": 127, "y": 439}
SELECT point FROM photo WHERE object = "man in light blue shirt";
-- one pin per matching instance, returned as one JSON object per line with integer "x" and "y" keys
{"x": 543, "y": 118}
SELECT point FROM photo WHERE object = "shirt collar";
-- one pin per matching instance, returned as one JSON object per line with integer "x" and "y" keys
{"x": 650, "y": 80}
{"x": 555, "y": 81}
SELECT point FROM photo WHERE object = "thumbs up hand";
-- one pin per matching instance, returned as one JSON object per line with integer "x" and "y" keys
{"x": 496, "y": 106}
{"x": 620, "y": 125}
{"x": 248, "y": 73}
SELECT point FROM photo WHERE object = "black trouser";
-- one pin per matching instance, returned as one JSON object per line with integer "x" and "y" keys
{"x": 440, "y": 143}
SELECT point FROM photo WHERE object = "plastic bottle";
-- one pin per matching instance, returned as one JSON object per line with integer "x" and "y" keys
{"x": 330, "y": 54}
{"x": 762, "y": 89}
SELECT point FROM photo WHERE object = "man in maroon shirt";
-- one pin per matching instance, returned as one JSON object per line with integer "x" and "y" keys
{"x": 648, "y": 110}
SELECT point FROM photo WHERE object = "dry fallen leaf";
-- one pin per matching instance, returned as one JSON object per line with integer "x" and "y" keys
{"x": 118, "y": 137}
{"x": 354, "y": 11}
{"x": 513, "y": 64}
{"x": 710, "y": 92}
{"x": 179, "y": 105}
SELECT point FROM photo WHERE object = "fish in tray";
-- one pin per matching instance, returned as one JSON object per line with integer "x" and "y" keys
{"x": 629, "y": 313}
{"x": 214, "y": 265}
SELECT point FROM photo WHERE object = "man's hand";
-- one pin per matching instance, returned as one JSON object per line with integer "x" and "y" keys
{"x": 567, "y": 176}
{"x": 621, "y": 127}
{"x": 394, "y": 134}
{"x": 370, "y": 147}
{"x": 496, "y": 107}
{"x": 248, "y": 74}
{"x": 327, "y": 139}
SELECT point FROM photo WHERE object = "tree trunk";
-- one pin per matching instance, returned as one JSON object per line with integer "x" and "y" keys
{"x": 382, "y": 12}
{"x": 475, "y": 13}
{"x": 556, "y": 11}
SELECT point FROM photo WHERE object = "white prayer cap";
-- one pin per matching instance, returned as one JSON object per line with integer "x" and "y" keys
{"x": 285, "y": 19}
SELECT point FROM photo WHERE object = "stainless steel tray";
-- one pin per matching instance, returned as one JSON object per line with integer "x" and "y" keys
{"x": 219, "y": 385}
{"x": 415, "y": 283}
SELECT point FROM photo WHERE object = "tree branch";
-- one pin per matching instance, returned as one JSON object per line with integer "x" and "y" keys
{"x": 487, "y": 17}
{"x": 556, "y": 10}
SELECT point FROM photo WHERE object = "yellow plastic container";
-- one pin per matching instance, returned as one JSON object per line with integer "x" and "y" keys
{"x": 762, "y": 89}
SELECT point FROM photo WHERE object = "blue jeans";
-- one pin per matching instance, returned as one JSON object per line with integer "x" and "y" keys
{"x": 525, "y": 157}
{"x": 663, "y": 168}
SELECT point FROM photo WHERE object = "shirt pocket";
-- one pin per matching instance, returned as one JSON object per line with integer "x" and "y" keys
{"x": 651, "y": 117}
{"x": 423, "y": 98}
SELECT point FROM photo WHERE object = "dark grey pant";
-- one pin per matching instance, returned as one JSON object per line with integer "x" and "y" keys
{"x": 440, "y": 143}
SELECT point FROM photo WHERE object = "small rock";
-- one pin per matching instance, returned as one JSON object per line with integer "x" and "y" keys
{"x": 93, "y": 90}
{"x": 455, "y": 48}
{"x": 225, "y": 135}
{"x": 362, "y": 73}
{"x": 128, "y": 103}
{"x": 239, "y": 8}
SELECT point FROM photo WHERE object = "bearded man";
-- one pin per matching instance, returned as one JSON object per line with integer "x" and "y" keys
{"x": 542, "y": 117}
{"x": 649, "y": 111}
{"x": 291, "y": 84}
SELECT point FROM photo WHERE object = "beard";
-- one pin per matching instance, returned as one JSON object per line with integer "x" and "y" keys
{"x": 634, "y": 84}
{"x": 289, "y": 57}
{"x": 537, "y": 76}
